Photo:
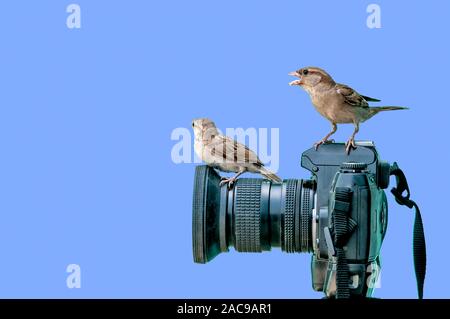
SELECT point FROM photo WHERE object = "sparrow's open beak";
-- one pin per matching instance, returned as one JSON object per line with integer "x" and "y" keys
{"x": 296, "y": 82}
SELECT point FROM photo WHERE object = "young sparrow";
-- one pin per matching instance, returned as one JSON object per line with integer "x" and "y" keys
{"x": 338, "y": 103}
{"x": 225, "y": 154}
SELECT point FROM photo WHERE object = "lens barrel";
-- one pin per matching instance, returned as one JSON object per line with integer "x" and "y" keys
{"x": 253, "y": 216}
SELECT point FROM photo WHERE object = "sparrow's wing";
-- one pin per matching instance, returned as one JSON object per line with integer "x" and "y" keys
{"x": 351, "y": 96}
{"x": 225, "y": 148}
{"x": 370, "y": 99}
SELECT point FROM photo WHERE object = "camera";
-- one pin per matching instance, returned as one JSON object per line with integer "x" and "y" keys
{"x": 339, "y": 215}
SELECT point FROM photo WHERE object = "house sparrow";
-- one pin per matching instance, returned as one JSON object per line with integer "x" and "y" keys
{"x": 338, "y": 103}
{"x": 225, "y": 154}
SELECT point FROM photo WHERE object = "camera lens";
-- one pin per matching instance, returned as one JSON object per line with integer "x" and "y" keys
{"x": 253, "y": 216}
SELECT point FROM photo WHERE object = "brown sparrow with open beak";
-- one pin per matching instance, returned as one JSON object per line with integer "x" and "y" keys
{"x": 338, "y": 103}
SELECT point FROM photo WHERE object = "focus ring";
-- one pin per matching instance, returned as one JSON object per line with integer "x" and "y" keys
{"x": 247, "y": 215}
{"x": 305, "y": 219}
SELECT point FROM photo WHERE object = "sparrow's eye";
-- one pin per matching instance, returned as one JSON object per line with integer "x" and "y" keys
{"x": 193, "y": 124}
{"x": 305, "y": 72}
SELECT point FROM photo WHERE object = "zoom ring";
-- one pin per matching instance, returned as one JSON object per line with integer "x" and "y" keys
{"x": 289, "y": 216}
{"x": 247, "y": 215}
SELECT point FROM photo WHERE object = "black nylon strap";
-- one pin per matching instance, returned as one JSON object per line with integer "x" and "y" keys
{"x": 419, "y": 245}
{"x": 342, "y": 276}
{"x": 343, "y": 226}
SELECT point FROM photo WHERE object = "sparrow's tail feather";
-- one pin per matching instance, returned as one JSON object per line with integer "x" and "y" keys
{"x": 378, "y": 109}
{"x": 268, "y": 174}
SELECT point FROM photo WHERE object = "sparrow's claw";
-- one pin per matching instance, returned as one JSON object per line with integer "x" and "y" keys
{"x": 229, "y": 181}
{"x": 223, "y": 181}
{"x": 317, "y": 144}
{"x": 350, "y": 145}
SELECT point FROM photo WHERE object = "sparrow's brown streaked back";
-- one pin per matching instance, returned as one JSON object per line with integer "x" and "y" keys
{"x": 338, "y": 103}
{"x": 225, "y": 154}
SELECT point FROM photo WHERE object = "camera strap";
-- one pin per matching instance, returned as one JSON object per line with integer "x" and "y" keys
{"x": 342, "y": 228}
{"x": 419, "y": 247}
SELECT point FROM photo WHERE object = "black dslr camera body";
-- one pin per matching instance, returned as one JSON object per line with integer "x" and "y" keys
{"x": 339, "y": 214}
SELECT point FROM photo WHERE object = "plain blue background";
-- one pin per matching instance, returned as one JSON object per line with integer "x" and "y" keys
{"x": 86, "y": 175}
